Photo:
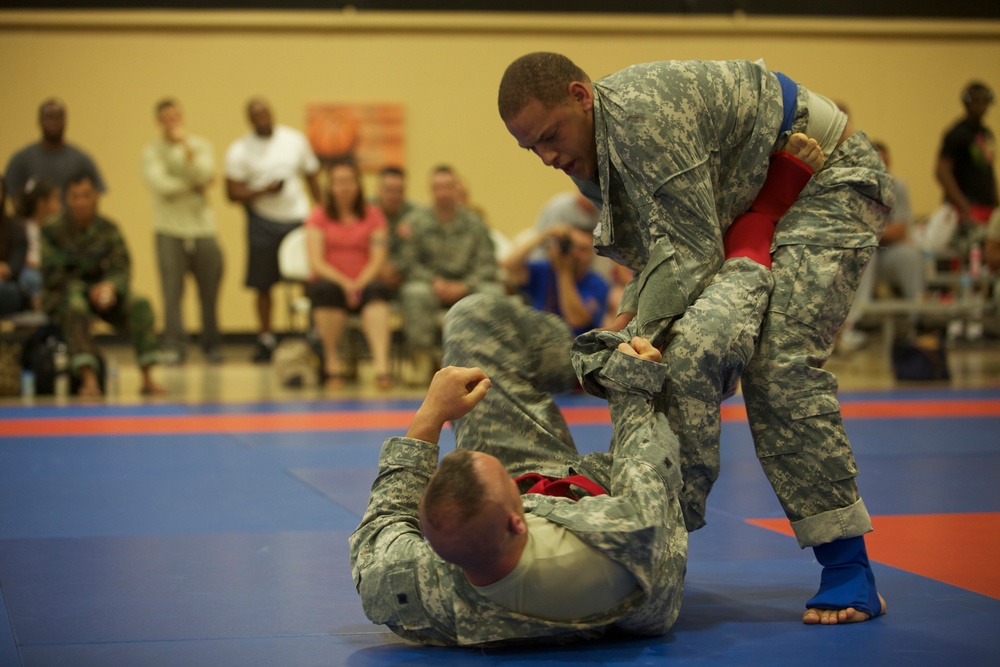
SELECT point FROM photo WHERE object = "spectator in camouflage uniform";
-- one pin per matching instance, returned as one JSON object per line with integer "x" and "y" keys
{"x": 448, "y": 256}
{"x": 391, "y": 198}
{"x": 86, "y": 267}
{"x": 673, "y": 152}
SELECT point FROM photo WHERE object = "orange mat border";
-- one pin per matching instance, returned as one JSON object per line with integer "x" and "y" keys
{"x": 958, "y": 549}
{"x": 400, "y": 419}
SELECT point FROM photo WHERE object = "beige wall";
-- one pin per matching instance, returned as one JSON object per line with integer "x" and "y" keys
{"x": 901, "y": 80}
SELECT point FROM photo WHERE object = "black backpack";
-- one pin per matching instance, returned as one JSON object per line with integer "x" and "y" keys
{"x": 39, "y": 357}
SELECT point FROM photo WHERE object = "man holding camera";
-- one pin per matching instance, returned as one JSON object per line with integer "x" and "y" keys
{"x": 564, "y": 283}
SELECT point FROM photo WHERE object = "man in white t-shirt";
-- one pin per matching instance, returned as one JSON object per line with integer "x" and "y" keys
{"x": 264, "y": 172}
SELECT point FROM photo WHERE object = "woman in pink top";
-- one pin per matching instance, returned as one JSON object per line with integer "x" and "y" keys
{"x": 347, "y": 242}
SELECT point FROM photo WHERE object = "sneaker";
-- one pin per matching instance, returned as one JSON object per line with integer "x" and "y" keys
{"x": 974, "y": 331}
{"x": 853, "y": 340}
{"x": 956, "y": 328}
{"x": 171, "y": 357}
{"x": 214, "y": 356}
{"x": 265, "y": 348}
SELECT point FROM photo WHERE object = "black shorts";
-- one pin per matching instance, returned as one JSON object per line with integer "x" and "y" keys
{"x": 326, "y": 294}
{"x": 263, "y": 239}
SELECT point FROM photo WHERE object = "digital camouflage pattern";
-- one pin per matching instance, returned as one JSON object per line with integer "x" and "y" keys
{"x": 73, "y": 260}
{"x": 682, "y": 149}
{"x": 460, "y": 249}
{"x": 640, "y": 525}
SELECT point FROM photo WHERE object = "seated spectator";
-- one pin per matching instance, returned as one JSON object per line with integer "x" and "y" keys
{"x": 391, "y": 199}
{"x": 620, "y": 277}
{"x": 898, "y": 263}
{"x": 564, "y": 283}
{"x": 40, "y": 202}
{"x": 13, "y": 248}
{"x": 566, "y": 207}
{"x": 347, "y": 242}
{"x": 86, "y": 267}
{"x": 449, "y": 255}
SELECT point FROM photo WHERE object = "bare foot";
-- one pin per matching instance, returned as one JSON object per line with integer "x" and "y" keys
{"x": 89, "y": 386}
{"x": 150, "y": 388}
{"x": 805, "y": 149}
{"x": 837, "y": 616}
{"x": 89, "y": 390}
{"x": 334, "y": 381}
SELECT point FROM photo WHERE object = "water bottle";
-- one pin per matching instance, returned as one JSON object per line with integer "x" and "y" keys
{"x": 975, "y": 261}
{"x": 60, "y": 360}
{"x": 930, "y": 264}
{"x": 28, "y": 384}
{"x": 113, "y": 372}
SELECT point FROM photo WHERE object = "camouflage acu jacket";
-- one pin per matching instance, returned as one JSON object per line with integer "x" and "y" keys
{"x": 80, "y": 258}
{"x": 682, "y": 149}
{"x": 404, "y": 585}
{"x": 458, "y": 250}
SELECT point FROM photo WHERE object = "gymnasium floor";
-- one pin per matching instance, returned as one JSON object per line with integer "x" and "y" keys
{"x": 210, "y": 528}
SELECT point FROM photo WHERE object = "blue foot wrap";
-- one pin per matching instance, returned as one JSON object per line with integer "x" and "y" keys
{"x": 847, "y": 579}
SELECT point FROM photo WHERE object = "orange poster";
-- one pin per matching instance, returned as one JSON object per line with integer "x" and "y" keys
{"x": 372, "y": 134}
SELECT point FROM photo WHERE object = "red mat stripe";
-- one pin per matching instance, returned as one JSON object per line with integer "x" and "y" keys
{"x": 400, "y": 419}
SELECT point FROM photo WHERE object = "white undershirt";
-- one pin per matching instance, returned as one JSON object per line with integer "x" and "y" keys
{"x": 560, "y": 578}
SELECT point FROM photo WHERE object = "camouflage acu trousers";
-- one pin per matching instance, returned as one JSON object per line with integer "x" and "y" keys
{"x": 791, "y": 401}
{"x": 131, "y": 313}
{"x": 526, "y": 354}
{"x": 422, "y": 312}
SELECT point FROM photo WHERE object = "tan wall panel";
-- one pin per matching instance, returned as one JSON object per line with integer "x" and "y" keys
{"x": 900, "y": 79}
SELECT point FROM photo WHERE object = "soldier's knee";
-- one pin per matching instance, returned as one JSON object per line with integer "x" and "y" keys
{"x": 478, "y": 306}
{"x": 415, "y": 289}
{"x": 140, "y": 312}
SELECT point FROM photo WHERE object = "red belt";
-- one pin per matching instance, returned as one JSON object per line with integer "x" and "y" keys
{"x": 551, "y": 486}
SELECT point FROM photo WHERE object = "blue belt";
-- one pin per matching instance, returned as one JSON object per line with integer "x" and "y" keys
{"x": 789, "y": 92}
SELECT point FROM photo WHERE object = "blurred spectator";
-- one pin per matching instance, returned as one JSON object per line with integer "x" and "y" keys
{"x": 991, "y": 253}
{"x": 179, "y": 169}
{"x": 449, "y": 255}
{"x": 87, "y": 272}
{"x": 347, "y": 241}
{"x": 897, "y": 263}
{"x": 391, "y": 199}
{"x": 264, "y": 172}
{"x": 51, "y": 159}
{"x": 40, "y": 202}
{"x": 13, "y": 249}
{"x": 965, "y": 161}
{"x": 564, "y": 283}
{"x": 620, "y": 277}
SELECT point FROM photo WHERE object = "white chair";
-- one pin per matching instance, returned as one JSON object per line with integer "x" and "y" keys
{"x": 293, "y": 264}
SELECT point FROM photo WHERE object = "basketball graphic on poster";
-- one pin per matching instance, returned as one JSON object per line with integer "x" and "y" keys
{"x": 370, "y": 134}
{"x": 332, "y": 132}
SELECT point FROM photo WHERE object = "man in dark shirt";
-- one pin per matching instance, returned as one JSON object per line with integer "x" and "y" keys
{"x": 965, "y": 162}
{"x": 50, "y": 159}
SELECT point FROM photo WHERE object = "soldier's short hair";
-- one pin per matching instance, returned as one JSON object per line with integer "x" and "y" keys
{"x": 542, "y": 76}
{"x": 50, "y": 102}
{"x": 80, "y": 177}
{"x": 165, "y": 103}
{"x": 393, "y": 170}
{"x": 455, "y": 492}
